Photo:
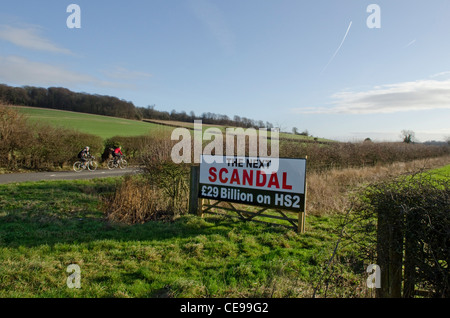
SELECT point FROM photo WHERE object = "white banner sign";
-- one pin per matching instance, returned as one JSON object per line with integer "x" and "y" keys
{"x": 272, "y": 182}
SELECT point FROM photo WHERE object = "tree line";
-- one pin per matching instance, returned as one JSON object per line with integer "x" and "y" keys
{"x": 207, "y": 118}
{"x": 64, "y": 99}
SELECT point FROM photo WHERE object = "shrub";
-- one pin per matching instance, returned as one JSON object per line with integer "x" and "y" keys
{"x": 345, "y": 155}
{"x": 134, "y": 201}
{"x": 15, "y": 135}
{"x": 138, "y": 148}
{"x": 406, "y": 224}
{"x": 55, "y": 147}
{"x": 173, "y": 180}
{"x": 25, "y": 145}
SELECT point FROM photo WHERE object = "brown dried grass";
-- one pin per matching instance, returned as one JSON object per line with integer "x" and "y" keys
{"x": 135, "y": 201}
{"x": 329, "y": 191}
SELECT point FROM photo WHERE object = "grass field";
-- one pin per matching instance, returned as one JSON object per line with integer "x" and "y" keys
{"x": 106, "y": 127}
{"x": 441, "y": 173}
{"x": 103, "y": 126}
{"x": 282, "y": 135}
{"x": 46, "y": 226}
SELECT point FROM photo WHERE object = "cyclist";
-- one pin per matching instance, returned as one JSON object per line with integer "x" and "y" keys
{"x": 84, "y": 154}
{"x": 117, "y": 153}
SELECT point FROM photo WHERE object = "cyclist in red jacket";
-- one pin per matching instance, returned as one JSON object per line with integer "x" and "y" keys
{"x": 117, "y": 153}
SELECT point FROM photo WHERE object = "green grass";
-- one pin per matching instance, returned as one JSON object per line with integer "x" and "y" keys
{"x": 435, "y": 177}
{"x": 107, "y": 127}
{"x": 103, "y": 126}
{"x": 46, "y": 226}
{"x": 441, "y": 173}
{"x": 222, "y": 128}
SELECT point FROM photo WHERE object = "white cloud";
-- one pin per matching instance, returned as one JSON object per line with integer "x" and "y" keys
{"x": 21, "y": 71}
{"x": 441, "y": 74}
{"x": 399, "y": 97}
{"x": 29, "y": 37}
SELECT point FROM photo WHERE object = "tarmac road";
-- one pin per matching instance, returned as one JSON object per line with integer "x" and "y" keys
{"x": 65, "y": 175}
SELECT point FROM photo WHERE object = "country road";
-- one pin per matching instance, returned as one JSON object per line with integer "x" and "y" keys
{"x": 65, "y": 175}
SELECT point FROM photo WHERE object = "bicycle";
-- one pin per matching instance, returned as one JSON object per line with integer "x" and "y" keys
{"x": 117, "y": 163}
{"x": 90, "y": 164}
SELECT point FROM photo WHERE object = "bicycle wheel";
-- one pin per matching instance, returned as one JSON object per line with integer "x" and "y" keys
{"x": 92, "y": 166}
{"x": 111, "y": 164}
{"x": 78, "y": 166}
{"x": 123, "y": 164}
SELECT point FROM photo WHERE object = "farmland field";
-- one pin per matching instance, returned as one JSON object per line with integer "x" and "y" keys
{"x": 107, "y": 127}
{"x": 190, "y": 125}
{"x": 103, "y": 126}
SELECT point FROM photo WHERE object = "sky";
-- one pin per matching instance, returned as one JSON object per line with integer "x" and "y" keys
{"x": 341, "y": 69}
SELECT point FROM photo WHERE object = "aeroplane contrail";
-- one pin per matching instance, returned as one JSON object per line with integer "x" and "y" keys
{"x": 411, "y": 43}
{"x": 335, "y": 53}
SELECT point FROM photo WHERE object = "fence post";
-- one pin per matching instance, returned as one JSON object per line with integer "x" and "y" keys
{"x": 194, "y": 190}
{"x": 396, "y": 255}
{"x": 302, "y": 215}
{"x": 383, "y": 254}
{"x": 411, "y": 248}
{"x": 390, "y": 252}
{"x": 301, "y": 222}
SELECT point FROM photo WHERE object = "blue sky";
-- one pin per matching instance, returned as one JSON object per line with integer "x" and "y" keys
{"x": 313, "y": 65}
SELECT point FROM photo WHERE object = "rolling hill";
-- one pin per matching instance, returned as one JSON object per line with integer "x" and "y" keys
{"x": 107, "y": 127}
{"x": 103, "y": 126}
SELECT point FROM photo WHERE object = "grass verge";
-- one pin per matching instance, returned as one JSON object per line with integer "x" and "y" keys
{"x": 46, "y": 226}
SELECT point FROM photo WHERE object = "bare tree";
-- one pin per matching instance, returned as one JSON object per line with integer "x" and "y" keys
{"x": 408, "y": 136}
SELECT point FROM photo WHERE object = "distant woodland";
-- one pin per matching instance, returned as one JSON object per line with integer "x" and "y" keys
{"x": 64, "y": 99}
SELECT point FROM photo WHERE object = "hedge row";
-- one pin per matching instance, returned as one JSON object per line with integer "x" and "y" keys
{"x": 24, "y": 145}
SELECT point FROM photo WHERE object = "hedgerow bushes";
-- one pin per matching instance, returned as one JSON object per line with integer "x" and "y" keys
{"x": 403, "y": 226}
{"x": 24, "y": 145}
{"x": 321, "y": 156}
{"x": 139, "y": 148}
{"x": 160, "y": 193}
{"x": 135, "y": 201}
{"x": 345, "y": 155}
